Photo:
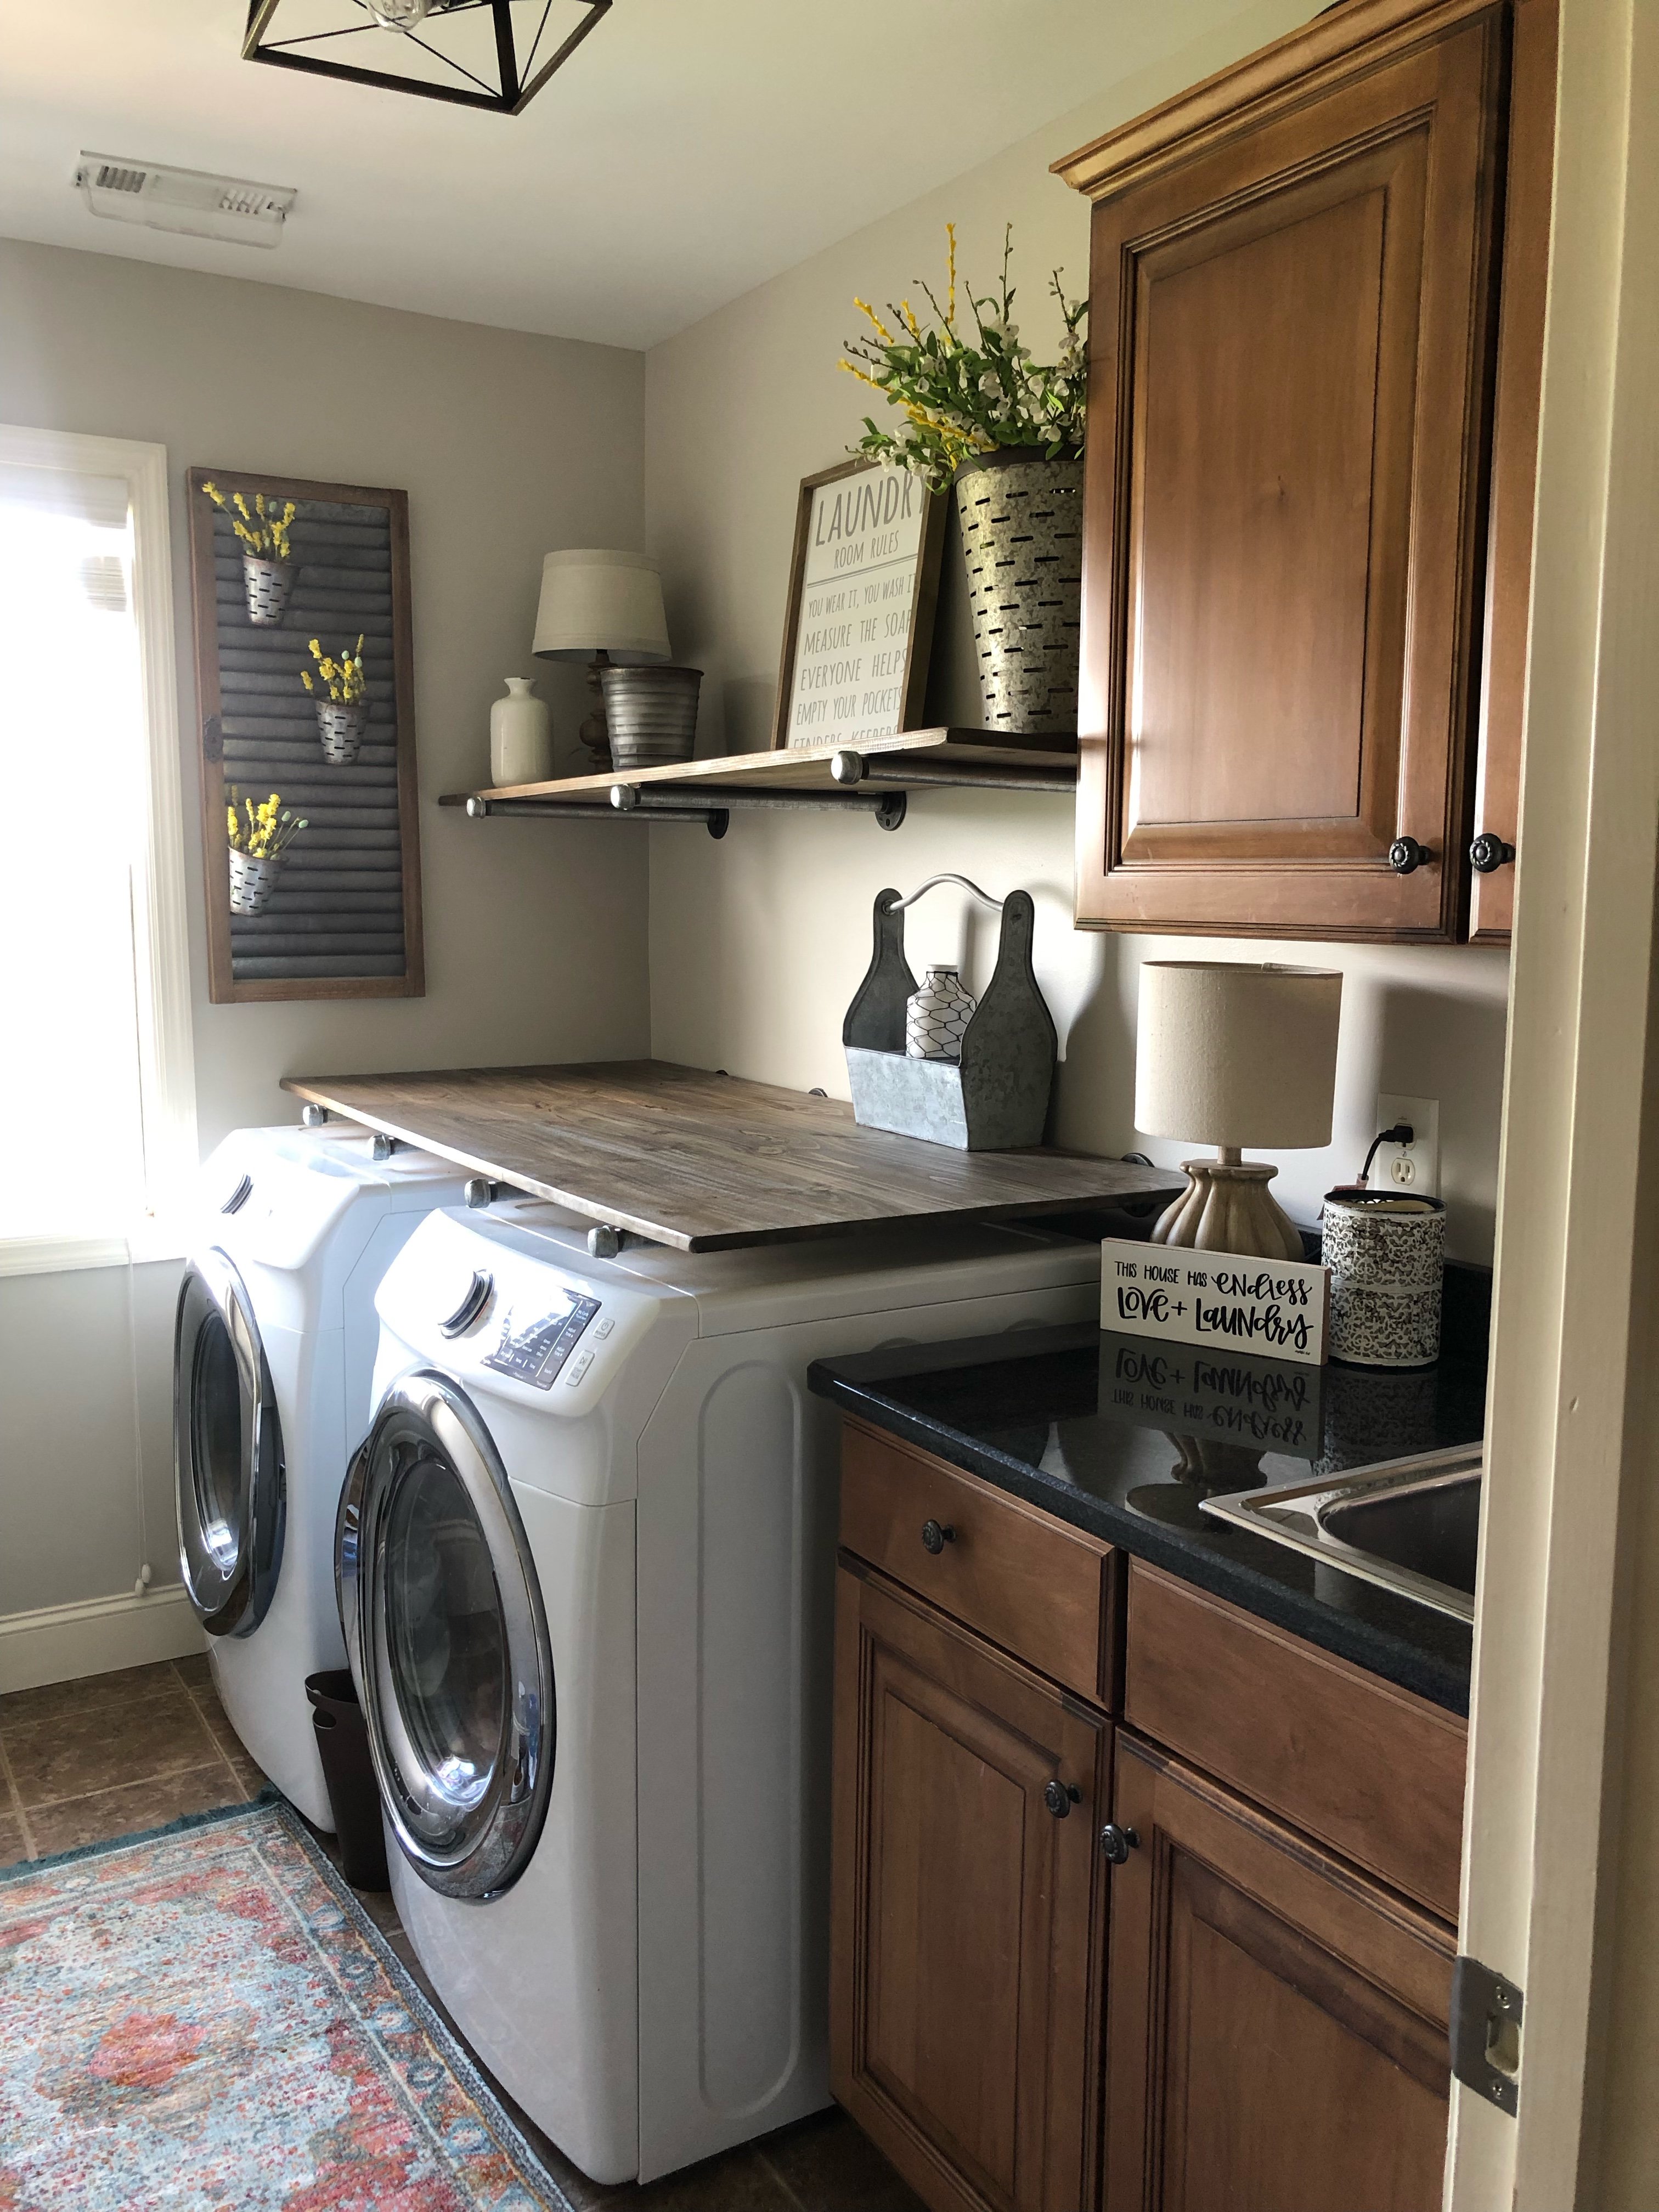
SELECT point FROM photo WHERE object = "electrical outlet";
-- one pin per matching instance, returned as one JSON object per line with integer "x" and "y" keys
{"x": 1414, "y": 1167}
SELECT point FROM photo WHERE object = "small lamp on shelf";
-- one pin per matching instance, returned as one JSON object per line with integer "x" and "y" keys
{"x": 1232, "y": 1054}
{"x": 603, "y": 608}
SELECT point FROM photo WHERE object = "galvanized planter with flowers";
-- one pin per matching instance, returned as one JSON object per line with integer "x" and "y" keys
{"x": 259, "y": 839}
{"x": 981, "y": 415}
{"x": 343, "y": 716}
{"x": 268, "y": 567}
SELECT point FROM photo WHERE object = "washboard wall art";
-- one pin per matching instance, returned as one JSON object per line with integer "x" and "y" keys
{"x": 335, "y": 912}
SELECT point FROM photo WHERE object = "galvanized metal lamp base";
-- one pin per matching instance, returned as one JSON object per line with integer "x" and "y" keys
{"x": 595, "y": 732}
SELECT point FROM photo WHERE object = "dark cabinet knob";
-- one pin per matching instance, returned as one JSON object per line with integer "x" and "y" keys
{"x": 1118, "y": 1842}
{"x": 935, "y": 1535}
{"x": 1488, "y": 853}
{"x": 1405, "y": 855}
{"x": 1060, "y": 1797}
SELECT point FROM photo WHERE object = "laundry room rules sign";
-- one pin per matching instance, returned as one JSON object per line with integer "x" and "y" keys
{"x": 1222, "y": 1299}
{"x": 862, "y": 553}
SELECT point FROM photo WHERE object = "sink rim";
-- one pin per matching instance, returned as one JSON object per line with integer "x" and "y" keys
{"x": 1273, "y": 1513}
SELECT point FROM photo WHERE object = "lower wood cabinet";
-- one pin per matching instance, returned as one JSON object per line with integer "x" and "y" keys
{"x": 1277, "y": 2023}
{"x": 1262, "y": 2026}
{"x": 968, "y": 1916}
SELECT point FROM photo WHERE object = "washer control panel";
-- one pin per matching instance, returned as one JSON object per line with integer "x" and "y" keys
{"x": 535, "y": 1353}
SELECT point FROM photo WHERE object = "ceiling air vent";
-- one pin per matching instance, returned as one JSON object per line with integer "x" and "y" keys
{"x": 193, "y": 201}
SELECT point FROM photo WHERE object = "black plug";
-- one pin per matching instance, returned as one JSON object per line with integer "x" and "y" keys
{"x": 1402, "y": 1134}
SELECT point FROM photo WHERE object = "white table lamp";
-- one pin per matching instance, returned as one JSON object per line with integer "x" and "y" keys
{"x": 599, "y": 606}
{"x": 1232, "y": 1055}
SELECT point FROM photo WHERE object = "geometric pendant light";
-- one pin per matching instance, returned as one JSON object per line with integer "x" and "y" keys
{"x": 493, "y": 54}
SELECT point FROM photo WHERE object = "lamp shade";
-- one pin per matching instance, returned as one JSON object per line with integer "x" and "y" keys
{"x": 594, "y": 601}
{"x": 1233, "y": 1055}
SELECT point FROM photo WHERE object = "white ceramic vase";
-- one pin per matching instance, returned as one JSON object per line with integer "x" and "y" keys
{"x": 520, "y": 736}
{"x": 937, "y": 1016}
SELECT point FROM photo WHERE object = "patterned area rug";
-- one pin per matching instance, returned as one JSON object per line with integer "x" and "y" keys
{"x": 205, "y": 2020}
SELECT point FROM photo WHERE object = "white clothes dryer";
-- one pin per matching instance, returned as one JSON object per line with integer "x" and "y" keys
{"x": 587, "y": 1558}
{"x": 274, "y": 1345}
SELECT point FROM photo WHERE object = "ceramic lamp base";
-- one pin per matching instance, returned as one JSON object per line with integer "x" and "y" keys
{"x": 1227, "y": 1207}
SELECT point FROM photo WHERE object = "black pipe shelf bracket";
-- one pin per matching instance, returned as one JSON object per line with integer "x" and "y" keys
{"x": 851, "y": 769}
{"x": 888, "y": 807}
{"x": 717, "y": 820}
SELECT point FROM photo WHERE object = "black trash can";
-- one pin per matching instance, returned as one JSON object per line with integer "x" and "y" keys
{"x": 343, "y": 1745}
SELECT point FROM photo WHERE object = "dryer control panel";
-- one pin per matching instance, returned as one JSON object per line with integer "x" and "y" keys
{"x": 535, "y": 1352}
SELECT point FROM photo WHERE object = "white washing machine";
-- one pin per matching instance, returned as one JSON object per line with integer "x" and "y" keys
{"x": 274, "y": 1347}
{"x": 586, "y": 1559}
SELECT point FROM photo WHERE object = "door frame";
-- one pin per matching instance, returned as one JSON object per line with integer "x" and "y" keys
{"x": 1563, "y": 1711}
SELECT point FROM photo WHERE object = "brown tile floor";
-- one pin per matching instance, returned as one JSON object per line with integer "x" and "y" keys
{"x": 81, "y": 1762}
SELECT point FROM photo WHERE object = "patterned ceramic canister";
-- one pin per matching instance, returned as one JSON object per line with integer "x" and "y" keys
{"x": 340, "y": 729}
{"x": 268, "y": 583}
{"x": 1385, "y": 1255}
{"x": 937, "y": 1016}
{"x": 252, "y": 881}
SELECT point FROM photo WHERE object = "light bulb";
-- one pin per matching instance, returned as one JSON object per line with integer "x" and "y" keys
{"x": 399, "y": 15}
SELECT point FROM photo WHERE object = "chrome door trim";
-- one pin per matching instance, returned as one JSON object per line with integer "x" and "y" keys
{"x": 229, "y": 1590}
{"x": 472, "y": 1846}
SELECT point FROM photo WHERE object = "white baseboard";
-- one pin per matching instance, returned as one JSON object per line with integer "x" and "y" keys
{"x": 61, "y": 1642}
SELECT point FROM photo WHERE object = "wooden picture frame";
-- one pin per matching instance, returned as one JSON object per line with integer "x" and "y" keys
{"x": 344, "y": 919}
{"x": 878, "y": 508}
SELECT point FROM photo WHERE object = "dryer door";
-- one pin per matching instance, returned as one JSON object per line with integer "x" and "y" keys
{"x": 443, "y": 1619}
{"x": 227, "y": 1451}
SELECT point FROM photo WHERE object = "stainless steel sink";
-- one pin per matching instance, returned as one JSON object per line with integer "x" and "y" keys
{"x": 1411, "y": 1525}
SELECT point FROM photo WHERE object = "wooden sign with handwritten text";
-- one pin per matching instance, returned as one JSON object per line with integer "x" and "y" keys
{"x": 1226, "y": 1300}
{"x": 858, "y": 629}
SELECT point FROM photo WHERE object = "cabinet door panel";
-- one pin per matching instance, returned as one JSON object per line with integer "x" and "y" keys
{"x": 1291, "y": 2015}
{"x": 1291, "y": 334}
{"x": 1251, "y": 571}
{"x": 966, "y": 1915}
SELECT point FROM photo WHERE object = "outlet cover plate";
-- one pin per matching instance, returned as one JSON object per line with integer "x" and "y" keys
{"x": 1414, "y": 1167}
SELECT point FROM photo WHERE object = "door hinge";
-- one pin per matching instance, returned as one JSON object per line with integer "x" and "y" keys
{"x": 1485, "y": 2034}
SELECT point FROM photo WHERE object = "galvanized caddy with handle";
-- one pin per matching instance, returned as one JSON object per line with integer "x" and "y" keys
{"x": 995, "y": 1098}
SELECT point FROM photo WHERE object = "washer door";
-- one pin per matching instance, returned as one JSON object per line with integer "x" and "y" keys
{"x": 443, "y": 1620}
{"x": 229, "y": 1486}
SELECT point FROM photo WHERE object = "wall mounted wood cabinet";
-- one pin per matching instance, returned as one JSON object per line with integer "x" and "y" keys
{"x": 1315, "y": 329}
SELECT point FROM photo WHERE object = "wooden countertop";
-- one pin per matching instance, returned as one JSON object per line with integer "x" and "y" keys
{"x": 705, "y": 1161}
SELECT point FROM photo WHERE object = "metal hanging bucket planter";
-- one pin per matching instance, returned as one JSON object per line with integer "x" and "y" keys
{"x": 254, "y": 880}
{"x": 268, "y": 583}
{"x": 1021, "y": 539}
{"x": 340, "y": 729}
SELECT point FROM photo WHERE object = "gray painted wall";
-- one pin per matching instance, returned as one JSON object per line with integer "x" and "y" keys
{"x": 759, "y": 943}
{"x": 507, "y": 445}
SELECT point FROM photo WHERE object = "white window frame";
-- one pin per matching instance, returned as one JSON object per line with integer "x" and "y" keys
{"x": 160, "y": 925}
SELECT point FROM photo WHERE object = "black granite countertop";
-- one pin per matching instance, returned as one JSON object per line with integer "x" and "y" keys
{"x": 1123, "y": 1435}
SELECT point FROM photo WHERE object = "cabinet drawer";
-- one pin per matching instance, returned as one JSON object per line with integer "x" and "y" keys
{"x": 1044, "y": 1591}
{"x": 1369, "y": 1769}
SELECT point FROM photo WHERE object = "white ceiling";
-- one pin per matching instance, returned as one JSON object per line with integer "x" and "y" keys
{"x": 687, "y": 151}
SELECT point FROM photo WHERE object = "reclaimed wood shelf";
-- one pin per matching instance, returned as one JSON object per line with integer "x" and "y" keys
{"x": 871, "y": 779}
{"x": 705, "y": 1162}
